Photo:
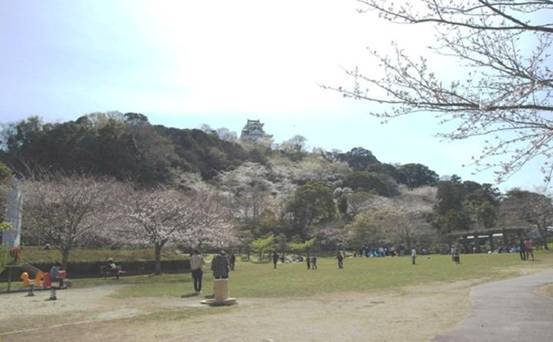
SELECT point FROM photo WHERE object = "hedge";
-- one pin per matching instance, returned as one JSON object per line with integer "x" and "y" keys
{"x": 89, "y": 269}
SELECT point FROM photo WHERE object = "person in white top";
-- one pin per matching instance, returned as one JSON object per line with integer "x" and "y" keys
{"x": 413, "y": 254}
{"x": 196, "y": 263}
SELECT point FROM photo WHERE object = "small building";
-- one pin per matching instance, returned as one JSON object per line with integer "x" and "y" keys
{"x": 507, "y": 236}
{"x": 253, "y": 132}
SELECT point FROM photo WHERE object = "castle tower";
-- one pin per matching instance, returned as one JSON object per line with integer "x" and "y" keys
{"x": 253, "y": 131}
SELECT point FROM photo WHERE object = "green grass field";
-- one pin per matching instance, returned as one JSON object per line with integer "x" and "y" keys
{"x": 359, "y": 274}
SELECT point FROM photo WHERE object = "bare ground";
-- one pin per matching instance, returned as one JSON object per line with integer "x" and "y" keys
{"x": 413, "y": 313}
{"x": 546, "y": 290}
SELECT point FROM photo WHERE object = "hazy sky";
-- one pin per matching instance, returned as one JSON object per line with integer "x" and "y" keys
{"x": 184, "y": 63}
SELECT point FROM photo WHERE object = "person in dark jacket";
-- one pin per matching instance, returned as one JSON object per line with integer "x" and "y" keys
{"x": 313, "y": 262}
{"x": 522, "y": 250}
{"x": 340, "y": 259}
{"x": 232, "y": 261}
{"x": 275, "y": 259}
{"x": 220, "y": 266}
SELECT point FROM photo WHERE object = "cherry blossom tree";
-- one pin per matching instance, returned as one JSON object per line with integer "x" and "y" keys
{"x": 250, "y": 189}
{"x": 161, "y": 216}
{"x": 155, "y": 217}
{"x": 506, "y": 94}
{"x": 68, "y": 211}
{"x": 214, "y": 223}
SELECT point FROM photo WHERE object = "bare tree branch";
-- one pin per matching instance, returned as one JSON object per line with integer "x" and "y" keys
{"x": 507, "y": 90}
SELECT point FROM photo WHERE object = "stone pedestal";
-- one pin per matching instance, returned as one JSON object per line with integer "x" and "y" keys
{"x": 220, "y": 289}
{"x": 220, "y": 294}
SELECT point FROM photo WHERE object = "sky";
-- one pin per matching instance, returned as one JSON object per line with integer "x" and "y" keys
{"x": 186, "y": 63}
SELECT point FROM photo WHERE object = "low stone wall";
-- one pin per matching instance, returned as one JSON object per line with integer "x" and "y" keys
{"x": 92, "y": 269}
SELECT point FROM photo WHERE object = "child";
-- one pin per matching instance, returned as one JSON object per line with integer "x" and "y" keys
{"x": 55, "y": 277}
{"x": 455, "y": 255}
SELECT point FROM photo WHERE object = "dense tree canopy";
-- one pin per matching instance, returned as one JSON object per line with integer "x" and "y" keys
{"x": 523, "y": 208}
{"x": 465, "y": 205}
{"x": 126, "y": 147}
{"x": 416, "y": 175}
{"x": 311, "y": 203}
{"x": 359, "y": 159}
{"x": 369, "y": 181}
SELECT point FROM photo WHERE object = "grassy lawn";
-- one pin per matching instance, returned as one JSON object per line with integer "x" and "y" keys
{"x": 360, "y": 274}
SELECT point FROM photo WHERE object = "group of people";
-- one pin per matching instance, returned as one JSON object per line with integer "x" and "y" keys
{"x": 383, "y": 251}
{"x": 221, "y": 265}
{"x": 367, "y": 251}
{"x": 311, "y": 260}
{"x": 526, "y": 250}
{"x": 111, "y": 269}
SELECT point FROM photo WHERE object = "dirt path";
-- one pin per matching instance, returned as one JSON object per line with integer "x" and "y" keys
{"x": 508, "y": 310}
{"x": 414, "y": 314}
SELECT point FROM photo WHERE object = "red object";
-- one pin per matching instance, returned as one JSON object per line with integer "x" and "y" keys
{"x": 62, "y": 274}
{"x": 46, "y": 281}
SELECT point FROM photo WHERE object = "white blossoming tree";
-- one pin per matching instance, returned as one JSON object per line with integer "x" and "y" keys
{"x": 214, "y": 224}
{"x": 505, "y": 93}
{"x": 68, "y": 211}
{"x": 160, "y": 216}
{"x": 154, "y": 217}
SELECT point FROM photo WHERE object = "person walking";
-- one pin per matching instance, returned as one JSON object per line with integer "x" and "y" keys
{"x": 232, "y": 261}
{"x": 220, "y": 266}
{"x": 313, "y": 262}
{"x": 340, "y": 259}
{"x": 529, "y": 249}
{"x": 275, "y": 259}
{"x": 196, "y": 264}
{"x": 455, "y": 255}
{"x": 308, "y": 259}
{"x": 522, "y": 250}
{"x": 413, "y": 254}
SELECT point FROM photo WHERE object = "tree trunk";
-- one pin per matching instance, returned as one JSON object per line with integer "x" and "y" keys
{"x": 543, "y": 236}
{"x": 409, "y": 242}
{"x": 64, "y": 258}
{"x": 544, "y": 239}
{"x": 158, "y": 247}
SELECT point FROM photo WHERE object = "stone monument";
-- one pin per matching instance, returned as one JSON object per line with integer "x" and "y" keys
{"x": 220, "y": 268}
{"x": 11, "y": 238}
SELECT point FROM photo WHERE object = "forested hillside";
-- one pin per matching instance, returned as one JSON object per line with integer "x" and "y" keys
{"x": 249, "y": 192}
{"x": 124, "y": 146}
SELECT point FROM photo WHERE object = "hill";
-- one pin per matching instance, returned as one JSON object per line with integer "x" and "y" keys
{"x": 280, "y": 190}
